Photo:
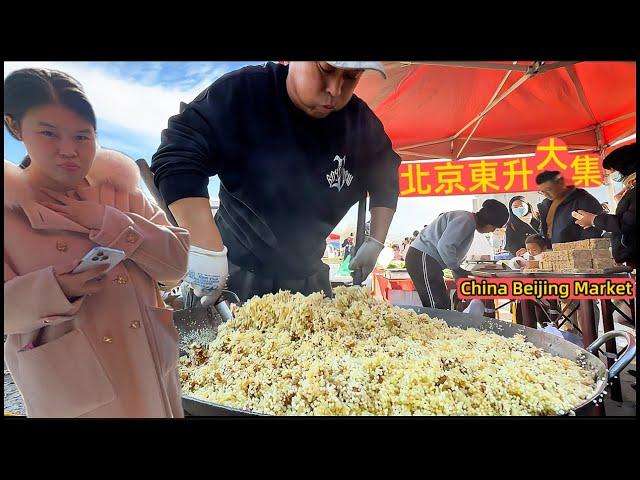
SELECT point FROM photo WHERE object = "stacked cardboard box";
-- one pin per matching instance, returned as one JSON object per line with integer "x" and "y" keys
{"x": 601, "y": 263}
{"x": 588, "y": 244}
{"x": 603, "y": 253}
{"x": 584, "y": 256}
{"x": 561, "y": 260}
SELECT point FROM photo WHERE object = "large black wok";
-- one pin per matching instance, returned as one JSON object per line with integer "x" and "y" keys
{"x": 199, "y": 318}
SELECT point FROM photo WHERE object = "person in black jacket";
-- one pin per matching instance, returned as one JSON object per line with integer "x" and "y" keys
{"x": 293, "y": 149}
{"x": 620, "y": 165}
{"x": 556, "y": 223}
{"x": 521, "y": 224}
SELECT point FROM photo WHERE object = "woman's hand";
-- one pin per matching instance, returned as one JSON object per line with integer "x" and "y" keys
{"x": 86, "y": 213}
{"x": 75, "y": 285}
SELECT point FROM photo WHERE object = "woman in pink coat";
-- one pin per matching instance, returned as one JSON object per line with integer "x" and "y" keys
{"x": 88, "y": 344}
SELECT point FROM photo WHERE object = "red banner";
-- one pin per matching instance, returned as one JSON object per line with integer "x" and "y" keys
{"x": 472, "y": 177}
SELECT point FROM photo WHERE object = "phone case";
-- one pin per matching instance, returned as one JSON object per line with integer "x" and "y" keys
{"x": 99, "y": 256}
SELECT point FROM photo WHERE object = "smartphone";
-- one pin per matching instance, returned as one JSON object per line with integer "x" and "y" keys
{"x": 100, "y": 256}
{"x": 577, "y": 215}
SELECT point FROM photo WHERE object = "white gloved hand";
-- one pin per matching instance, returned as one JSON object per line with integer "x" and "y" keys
{"x": 366, "y": 257}
{"x": 208, "y": 271}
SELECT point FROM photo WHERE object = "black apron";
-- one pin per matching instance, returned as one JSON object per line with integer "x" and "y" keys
{"x": 247, "y": 283}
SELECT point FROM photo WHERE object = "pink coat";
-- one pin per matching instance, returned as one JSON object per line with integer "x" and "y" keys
{"x": 112, "y": 354}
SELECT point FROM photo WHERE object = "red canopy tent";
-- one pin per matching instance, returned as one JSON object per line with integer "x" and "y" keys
{"x": 461, "y": 109}
{"x": 454, "y": 110}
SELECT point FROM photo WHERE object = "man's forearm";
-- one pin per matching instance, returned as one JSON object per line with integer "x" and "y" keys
{"x": 380, "y": 221}
{"x": 195, "y": 215}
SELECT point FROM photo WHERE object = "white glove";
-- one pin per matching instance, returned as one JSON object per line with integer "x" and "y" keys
{"x": 208, "y": 271}
{"x": 366, "y": 257}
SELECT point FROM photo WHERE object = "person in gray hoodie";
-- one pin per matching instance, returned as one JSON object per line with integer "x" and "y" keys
{"x": 444, "y": 244}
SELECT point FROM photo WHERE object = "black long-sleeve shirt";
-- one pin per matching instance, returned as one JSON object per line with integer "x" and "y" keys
{"x": 286, "y": 179}
{"x": 622, "y": 225}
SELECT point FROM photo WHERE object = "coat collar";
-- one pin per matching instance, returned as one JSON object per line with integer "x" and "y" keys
{"x": 110, "y": 171}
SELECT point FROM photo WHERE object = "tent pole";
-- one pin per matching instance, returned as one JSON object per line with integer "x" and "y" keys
{"x": 495, "y": 94}
{"x": 619, "y": 119}
{"x": 508, "y": 142}
{"x": 599, "y": 140}
{"x": 626, "y": 134}
{"x": 426, "y": 156}
{"x": 573, "y": 75}
{"x": 360, "y": 226}
{"x": 531, "y": 71}
{"x": 495, "y": 66}
{"x": 485, "y": 65}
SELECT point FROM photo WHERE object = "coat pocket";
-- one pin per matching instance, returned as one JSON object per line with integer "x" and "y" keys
{"x": 63, "y": 378}
{"x": 166, "y": 338}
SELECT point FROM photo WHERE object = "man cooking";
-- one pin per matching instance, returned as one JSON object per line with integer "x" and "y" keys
{"x": 294, "y": 149}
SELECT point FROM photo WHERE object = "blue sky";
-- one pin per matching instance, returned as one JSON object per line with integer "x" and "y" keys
{"x": 134, "y": 100}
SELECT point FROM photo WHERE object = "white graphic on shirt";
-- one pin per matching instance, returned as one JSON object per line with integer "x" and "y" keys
{"x": 338, "y": 177}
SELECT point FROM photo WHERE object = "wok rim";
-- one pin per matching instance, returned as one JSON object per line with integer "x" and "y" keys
{"x": 600, "y": 372}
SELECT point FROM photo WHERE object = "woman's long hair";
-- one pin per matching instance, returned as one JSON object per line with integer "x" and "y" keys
{"x": 515, "y": 223}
